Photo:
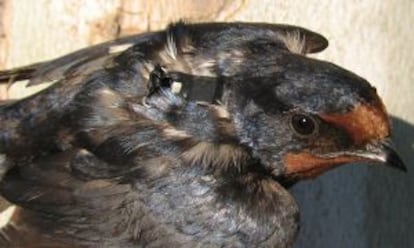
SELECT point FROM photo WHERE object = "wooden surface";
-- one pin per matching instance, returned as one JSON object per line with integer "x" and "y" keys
{"x": 354, "y": 206}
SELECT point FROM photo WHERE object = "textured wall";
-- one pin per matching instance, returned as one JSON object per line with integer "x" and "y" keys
{"x": 353, "y": 206}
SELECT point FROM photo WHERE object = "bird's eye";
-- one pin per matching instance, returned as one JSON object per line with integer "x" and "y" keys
{"x": 303, "y": 124}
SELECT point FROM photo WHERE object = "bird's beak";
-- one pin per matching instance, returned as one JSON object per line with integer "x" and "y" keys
{"x": 307, "y": 165}
{"x": 382, "y": 153}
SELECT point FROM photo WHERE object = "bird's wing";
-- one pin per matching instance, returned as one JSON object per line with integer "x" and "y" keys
{"x": 88, "y": 59}
{"x": 83, "y": 61}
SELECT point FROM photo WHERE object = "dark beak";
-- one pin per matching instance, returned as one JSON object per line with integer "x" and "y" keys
{"x": 307, "y": 165}
{"x": 392, "y": 158}
{"x": 380, "y": 152}
{"x": 384, "y": 153}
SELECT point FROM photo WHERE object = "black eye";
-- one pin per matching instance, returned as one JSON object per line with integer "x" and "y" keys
{"x": 303, "y": 124}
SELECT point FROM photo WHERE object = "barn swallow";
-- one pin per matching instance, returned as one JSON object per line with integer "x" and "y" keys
{"x": 184, "y": 137}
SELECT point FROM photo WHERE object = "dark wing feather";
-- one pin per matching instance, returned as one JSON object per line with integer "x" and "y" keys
{"x": 90, "y": 58}
{"x": 85, "y": 60}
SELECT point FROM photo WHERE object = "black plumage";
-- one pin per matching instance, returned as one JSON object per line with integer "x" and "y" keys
{"x": 181, "y": 138}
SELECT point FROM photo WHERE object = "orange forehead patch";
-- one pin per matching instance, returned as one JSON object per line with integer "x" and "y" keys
{"x": 305, "y": 165}
{"x": 364, "y": 123}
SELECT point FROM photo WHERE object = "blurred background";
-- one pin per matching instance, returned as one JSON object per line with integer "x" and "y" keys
{"x": 353, "y": 206}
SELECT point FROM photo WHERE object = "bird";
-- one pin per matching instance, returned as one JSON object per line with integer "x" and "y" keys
{"x": 185, "y": 137}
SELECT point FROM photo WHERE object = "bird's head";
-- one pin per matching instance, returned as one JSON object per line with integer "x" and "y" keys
{"x": 310, "y": 116}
